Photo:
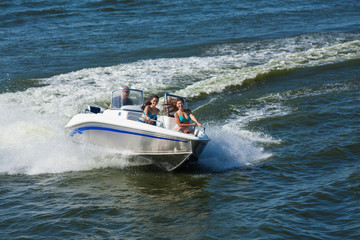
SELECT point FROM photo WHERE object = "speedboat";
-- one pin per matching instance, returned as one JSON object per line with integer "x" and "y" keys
{"x": 119, "y": 128}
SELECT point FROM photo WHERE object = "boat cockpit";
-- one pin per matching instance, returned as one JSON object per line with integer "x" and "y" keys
{"x": 126, "y": 103}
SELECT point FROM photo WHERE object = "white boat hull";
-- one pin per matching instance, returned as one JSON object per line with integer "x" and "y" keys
{"x": 116, "y": 130}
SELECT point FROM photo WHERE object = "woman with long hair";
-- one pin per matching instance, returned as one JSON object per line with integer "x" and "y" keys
{"x": 149, "y": 110}
{"x": 183, "y": 117}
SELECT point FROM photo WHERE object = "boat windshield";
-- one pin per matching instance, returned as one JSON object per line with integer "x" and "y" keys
{"x": 128, "y": 97}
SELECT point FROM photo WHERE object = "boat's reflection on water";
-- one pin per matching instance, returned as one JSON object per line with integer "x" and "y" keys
{"x": 138, "y": 175}
{"x": 152, "y": 196}
{"x": 132, "y": 199}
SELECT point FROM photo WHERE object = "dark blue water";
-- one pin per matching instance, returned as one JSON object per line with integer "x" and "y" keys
{"x": 277, "y": 85}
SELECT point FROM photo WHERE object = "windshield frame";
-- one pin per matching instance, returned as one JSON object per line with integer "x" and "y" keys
{"x": 166, "y": 101}
{"x": 135, "y": 99}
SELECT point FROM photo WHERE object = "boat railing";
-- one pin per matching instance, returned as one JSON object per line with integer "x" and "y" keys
{"x": 172, "y": 98}
{"x": 199, "y": 131}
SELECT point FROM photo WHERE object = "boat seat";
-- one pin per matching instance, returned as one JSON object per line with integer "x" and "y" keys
{"x": 92, "y": 109}
{"x": 169, "y": 122}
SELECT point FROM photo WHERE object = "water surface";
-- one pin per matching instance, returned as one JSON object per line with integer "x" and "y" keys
{"x": 275, "y": 83}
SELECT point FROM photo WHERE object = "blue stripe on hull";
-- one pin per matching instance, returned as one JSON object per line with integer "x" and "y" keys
{"x": 82, "y": 129}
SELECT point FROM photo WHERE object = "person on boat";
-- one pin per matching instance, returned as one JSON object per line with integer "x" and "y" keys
{"x": 125, "y": 100}
{"x": 125, "y": 96}
{"x": 149, "y": 110}
{"x": 183, "y": 117}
